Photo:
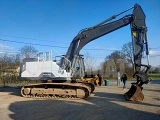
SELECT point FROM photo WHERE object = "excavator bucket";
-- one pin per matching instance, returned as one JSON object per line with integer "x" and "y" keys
{"x": 134, "y": 93}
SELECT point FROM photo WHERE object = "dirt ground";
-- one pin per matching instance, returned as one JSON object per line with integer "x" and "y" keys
{"x": 106, "y": 103}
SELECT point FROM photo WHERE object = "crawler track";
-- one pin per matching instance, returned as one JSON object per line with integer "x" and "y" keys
{"x": 56, "y": 90}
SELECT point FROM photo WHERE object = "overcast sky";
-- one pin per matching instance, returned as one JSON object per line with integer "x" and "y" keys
{"x": 52, "y": 24}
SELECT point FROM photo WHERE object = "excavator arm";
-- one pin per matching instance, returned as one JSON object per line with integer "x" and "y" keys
{"x": 87, "y": 35}
{"x": 90, "y": 34}
{"x": 138, "y": 31}
{"x": 136, "y": 20}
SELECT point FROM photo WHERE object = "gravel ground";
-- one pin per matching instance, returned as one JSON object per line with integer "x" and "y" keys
{"x": 106, "y": 103}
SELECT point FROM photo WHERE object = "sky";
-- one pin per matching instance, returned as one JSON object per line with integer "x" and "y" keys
{"x": 52, "y": 25}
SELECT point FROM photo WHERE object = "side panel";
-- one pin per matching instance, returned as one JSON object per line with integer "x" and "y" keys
{"x": 45, "y": 70}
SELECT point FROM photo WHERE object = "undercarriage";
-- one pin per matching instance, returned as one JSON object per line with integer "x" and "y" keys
{"x": 57, "y": 90}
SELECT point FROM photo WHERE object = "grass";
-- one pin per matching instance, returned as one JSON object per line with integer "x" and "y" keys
{"x": 154, "y": 76}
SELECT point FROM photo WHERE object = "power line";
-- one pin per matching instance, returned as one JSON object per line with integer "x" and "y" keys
{"x": 13, "y": 41}
{"x": 155, "y": 48}
{"x": 32, "y": 39}
{"x": 102, "y": 49}
{"x": 57, "y": 46}
{"x": 31, "y": 43}
{"x": 154, "y": 55}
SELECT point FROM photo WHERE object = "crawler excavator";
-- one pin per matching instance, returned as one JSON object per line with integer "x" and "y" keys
{"x": 61, "y": 76}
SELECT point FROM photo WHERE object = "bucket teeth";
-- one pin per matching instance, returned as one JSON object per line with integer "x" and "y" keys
{"x": 134, "y": 93}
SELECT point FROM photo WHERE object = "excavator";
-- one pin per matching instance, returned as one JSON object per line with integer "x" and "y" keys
{"x": 59, "y": 78}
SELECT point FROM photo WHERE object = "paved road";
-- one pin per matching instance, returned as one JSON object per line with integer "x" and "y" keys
{"x": 106, "y": 103}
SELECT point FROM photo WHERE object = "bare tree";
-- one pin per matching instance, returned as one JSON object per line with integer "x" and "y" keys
{"x": 9, "y": 68}
{"x": 28, "y": 51}
{"x": 127, "y": 51}
{"x": 103, "y": 67}
{"x": 120, "y": 60}
{"x": 89, "y": 62}
{"x": 155, "y": 69}
{"x": 115, "y": 56}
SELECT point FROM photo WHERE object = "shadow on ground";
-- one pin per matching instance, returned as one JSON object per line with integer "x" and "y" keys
{"x": 155, "y": 82}
{"x": 158, "y": 91}
{"x": 120, "y": 98}
{"x": 100, "y": 107}
{"x": 13, "y": 90}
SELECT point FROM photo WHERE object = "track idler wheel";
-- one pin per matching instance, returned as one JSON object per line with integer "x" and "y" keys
{"x": 91, "y": 85}
{"x": 134, "y": 93}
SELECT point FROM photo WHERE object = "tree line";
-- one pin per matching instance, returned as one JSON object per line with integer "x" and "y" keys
{"x": 118, "y": 61}
{"x": 10, "y": 64}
